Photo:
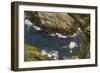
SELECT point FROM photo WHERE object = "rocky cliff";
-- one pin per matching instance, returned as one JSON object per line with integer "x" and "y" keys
{"x": 53, "y": 22}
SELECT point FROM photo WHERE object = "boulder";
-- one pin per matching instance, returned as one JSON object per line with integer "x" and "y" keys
{"x": 53, "y": 22}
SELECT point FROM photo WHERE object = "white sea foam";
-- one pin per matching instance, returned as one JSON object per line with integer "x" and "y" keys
{"x": 72, "y": 45}
{"x": 65, "y": 46}
{"x": 30, "y": 24}
{"x": 59, "y": 35}
{"x": 44, "y": 52}
{"x": 71, "y": 51}
{"x": 36, "y": 28}
{"x": 49, "y": 55}
{"x": 53, "y": 54}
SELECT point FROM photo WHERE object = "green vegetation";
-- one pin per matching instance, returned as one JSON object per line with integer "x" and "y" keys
{"x": 83, "y": 21}
{"x": 85, "y": 46}
{"x": 73, "y": 57}
{"x": 33, "y": 54}
{"x": 30, "y": 52}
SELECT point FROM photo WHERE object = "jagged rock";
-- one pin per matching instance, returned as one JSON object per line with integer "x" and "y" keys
{"x": 84, "y": 23}
{"x": 28, "y": 15}
{"x": 53, "y": 22}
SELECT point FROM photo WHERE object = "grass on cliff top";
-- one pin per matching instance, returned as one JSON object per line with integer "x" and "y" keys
{"x": 33, "y": 54}
{"x": 30, "y": 52}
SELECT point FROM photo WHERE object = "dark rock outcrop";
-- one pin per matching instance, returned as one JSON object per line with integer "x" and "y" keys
{"x": 83, "y": 21}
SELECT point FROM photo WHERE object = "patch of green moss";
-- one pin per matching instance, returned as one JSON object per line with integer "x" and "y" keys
{"x": 85, "y": 46}
{"x": 33, "y": 54}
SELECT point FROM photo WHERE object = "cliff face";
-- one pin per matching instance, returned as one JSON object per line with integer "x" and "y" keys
{"x": 53, "y": 22}
{"x": 83, "y": 21}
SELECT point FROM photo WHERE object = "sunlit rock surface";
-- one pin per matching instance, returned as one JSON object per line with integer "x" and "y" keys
{"x": 53, "y": 22}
